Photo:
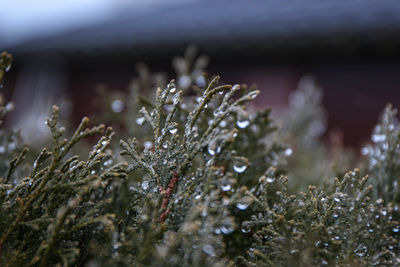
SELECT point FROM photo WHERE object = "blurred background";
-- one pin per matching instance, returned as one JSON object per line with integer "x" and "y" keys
{"x": 64, "y": 49}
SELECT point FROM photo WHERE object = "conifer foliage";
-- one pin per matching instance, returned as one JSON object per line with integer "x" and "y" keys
{"x": 197, "y": 180}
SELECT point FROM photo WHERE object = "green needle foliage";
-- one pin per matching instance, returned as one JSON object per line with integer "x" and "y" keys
{"x": 198, "y": 180}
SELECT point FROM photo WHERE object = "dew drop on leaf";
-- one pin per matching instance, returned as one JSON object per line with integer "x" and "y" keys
{"x": 243, "y": 124}
{"x": 253, "y": 94}
{"x": 209, "y": 250}
{"x": 211, "y": 151}
{"x": 245, "y": 229}
{"x": 376, "y": 138}
{"x": 227, "y": 229}
{"x": 239, "y": 168}
{"x": 288, "y": 152}
{"x": 148, "y": 144}
{"x": 226, "y": 187}
{"x": 140, "y": 121}
{"x": 270, "y": 179}
{"x": 242, "y": 206}
{"x": 175, "y": 98}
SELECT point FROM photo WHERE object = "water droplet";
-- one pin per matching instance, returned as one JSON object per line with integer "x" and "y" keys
{"x": 365, "y": 151}
{"x": 201, "y": 81}
{"x": 197, "y": 196}
{"x": 211, "y": 151}
{"x": 184, "y": 81}
{"x": 117, "y": 245}
{"x": 216, "y": 112}
{"x": 176, "y": 98}
{"x": 235, "y": 87}
{"x": 245, "y": 229}
{"x": 223, "y": 123}
{"x": 335, "y": 215}
{"x": 9, "y": 106}
{"x": 173, "y": 131}
{"x": 108, "y": 162}
{"x": 226, "y": 187}
{"x": 376, "y": 138}
{"x": 165, "y": 145}
{"x": 235, "y": 134}
{"x": 270, "y": 179}
{"x": 145, "y": 185}
{"x": 93, "y": 172}
{"x": 117, "y": 106}
{"x": 240, "y": 164}
{"x": 242, "y": 206}
{"x": 227, "y": 229}
{"x": 396, "y": 229}
{"x": 239, "y": 168}
{"x": 253, "y": 94}
{"x": 336, "y": 199}
{"x": 243, "y": 124}
{"x": 209, "y": 250}
{"x": 361, "y": 250}
{"x": 140, "y": 121}
{"x": 173, "y": 89}
{"x": 288, "y": 152}
{"x": 148, "y": 144}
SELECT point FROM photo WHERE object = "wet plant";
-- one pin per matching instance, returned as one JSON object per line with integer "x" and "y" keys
{"x": 198, "y": 180}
